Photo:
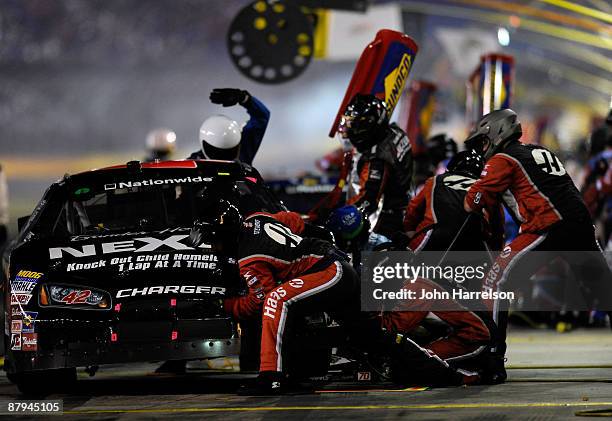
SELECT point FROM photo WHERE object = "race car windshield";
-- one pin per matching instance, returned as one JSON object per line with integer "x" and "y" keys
{"x": 138, "y": 208}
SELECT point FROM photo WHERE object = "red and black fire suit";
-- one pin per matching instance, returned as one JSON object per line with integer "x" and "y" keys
{"x": 384, "y": 172}
{"x": 552, "y": 217}
{"x": 436, "y": 216}
{"x": 469, "y": 331}
{"x": 288, "y": 275}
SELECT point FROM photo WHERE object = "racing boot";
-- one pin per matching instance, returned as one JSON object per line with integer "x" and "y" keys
{"x": 273, "y": 383}
{"x": 493, "y": 371}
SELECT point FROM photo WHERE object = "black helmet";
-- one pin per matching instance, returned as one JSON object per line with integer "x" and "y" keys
{"x": 495, "y": 129}
{"x": 441, "y": 147}
{"x": 364, "y": 121}
{"x": 467, "y": 162}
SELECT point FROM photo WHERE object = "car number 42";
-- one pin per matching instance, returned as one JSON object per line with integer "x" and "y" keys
{"x": 76, "y": 297}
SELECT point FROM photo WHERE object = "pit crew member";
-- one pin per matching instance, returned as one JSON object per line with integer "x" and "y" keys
{"x": 454, "y": 358}
{"x": 288, "y": 275}
{"x": 223, "y": 138}
{"x": 547, "y": 204}
{"x": 382, "y": 166}
{"x": 435, "y": 216}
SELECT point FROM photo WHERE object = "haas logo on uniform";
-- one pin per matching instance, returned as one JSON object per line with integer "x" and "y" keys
{"x": 548, "y": 162}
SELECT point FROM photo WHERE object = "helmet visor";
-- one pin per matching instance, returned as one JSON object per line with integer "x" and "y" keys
{"x": 476, "y": 142}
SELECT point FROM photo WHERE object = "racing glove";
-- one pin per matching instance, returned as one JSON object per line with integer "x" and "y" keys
{"x": 229, "y": 96}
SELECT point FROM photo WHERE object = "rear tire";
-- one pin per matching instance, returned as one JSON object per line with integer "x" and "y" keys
{"x": 310, "y": 363}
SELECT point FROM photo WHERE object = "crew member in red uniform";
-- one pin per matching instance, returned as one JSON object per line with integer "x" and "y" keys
{"x": 435, "y": 218}
{"x": 453, "y": 359}
{"x": 288, "y": 275}
{"x": 382, "y": 168}
{"x": 547, "y": 204}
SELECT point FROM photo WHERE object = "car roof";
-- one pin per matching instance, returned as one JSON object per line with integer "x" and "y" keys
{"x": 210, "y": 168}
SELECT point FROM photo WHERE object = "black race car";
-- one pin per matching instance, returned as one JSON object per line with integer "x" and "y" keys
{"x": 104, "y": 270}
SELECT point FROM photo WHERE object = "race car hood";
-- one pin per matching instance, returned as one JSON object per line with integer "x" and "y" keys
{"x": 124, "y": 264}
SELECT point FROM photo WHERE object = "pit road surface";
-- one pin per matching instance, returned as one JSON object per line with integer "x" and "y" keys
{"x": 551, "y": 376}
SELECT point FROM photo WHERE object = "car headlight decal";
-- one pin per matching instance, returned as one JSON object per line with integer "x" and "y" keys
{"x": 60, "y": 295}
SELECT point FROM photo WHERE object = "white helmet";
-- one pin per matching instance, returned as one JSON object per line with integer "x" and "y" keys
{"x": 161, "y": 143}
{"x": 220, "y": 138}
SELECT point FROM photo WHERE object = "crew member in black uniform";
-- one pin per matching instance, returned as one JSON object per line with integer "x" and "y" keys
{"x": 287, "y": 276}
{"x": 435, "y": 219}
{"x": 536, "y": 188}
{"x": 382, "y": 166}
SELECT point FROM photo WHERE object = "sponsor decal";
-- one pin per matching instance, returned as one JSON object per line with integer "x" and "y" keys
{"x": 458, "y": 182}
{"x": 492, "y": 277}
{"x": 403, "y": 146}
{"x": 281, "y": 234}
{"x": 22, "y": 286}
{"x": 505, "y": 252}
{"x": 29, "y": 342}
{"x": 349, "y": 219}
{"x": 152, "y": 182}
{"x": 135, "y": 245}
{"x": 16, "y": 326}
{"x": 271, "y": 302}
{"x": 84, "y": 237}
{"x": 22, "y": 299}
{"x": 395, "y": 81}
{"x": 364, "y": 376}
{"x": 28, "y": 274}
{"x": 296, "y": 283}
{"x": 170, "y": 289}
{"x": 28, "y": 321}
{"x": 25, "y": 281}
{"x": 16, "y": 311}
{"x": 16, "y": 341}
{"x": 250, "y": 279}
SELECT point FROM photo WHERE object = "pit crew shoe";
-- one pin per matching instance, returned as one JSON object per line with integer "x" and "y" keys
{"x": 268, "y": 383}
{"x": 494, "y": 371}
{"x": 273, "y": 383}
{"x": 470, "y": 378}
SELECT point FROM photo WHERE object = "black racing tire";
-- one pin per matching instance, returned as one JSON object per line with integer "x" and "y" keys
{"x": 250, "y": 345}
{"x": 44, "y": 382}
{"x": 310, "y": 363}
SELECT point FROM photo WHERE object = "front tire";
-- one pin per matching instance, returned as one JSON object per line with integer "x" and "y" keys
{"x": 44, "y": 382}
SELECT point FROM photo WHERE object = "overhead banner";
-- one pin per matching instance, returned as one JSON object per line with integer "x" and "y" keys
{"x": 416, "y": 113}
{"x": 382, "y": 70}
{"x": 489, "y": 87}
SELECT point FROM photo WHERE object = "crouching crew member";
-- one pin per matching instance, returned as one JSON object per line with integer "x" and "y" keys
{"x": 287, "y": 276}
{"x": 455, "y": 358}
